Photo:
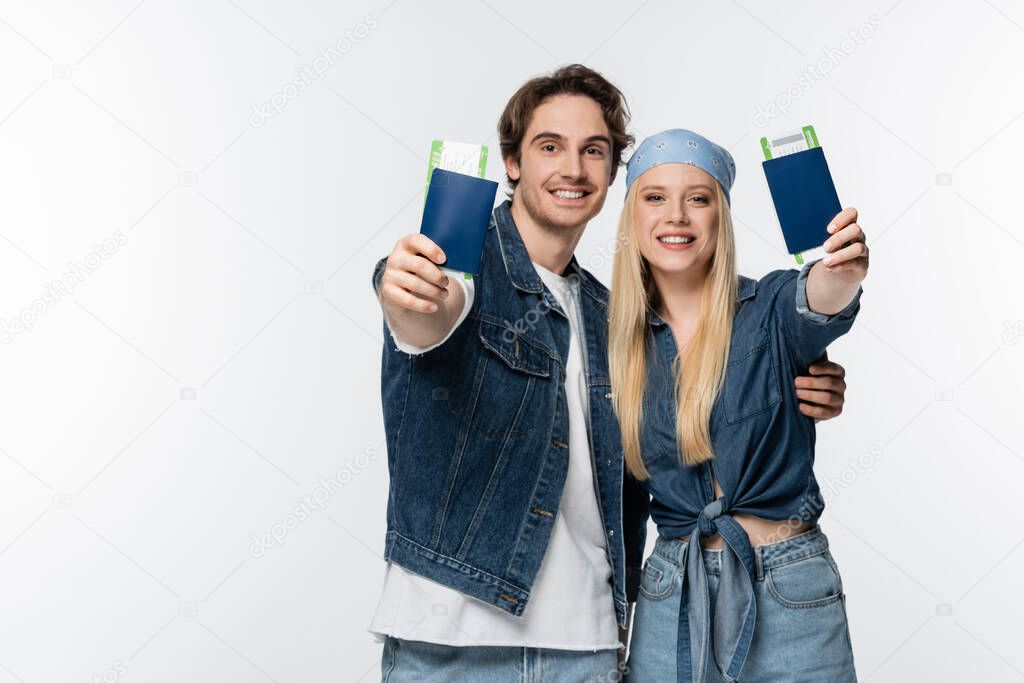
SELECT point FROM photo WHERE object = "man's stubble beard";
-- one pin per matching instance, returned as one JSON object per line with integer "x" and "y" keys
{"x": 533, "y": 205}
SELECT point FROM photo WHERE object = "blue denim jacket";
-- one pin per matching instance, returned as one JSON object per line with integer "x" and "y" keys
{"x": 764, "y": 454}
{"x": 477, "y": 434}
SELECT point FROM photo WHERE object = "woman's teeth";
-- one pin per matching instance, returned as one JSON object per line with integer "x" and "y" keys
{"x": 565, "y": 194}
{"x": 676, "y": 239}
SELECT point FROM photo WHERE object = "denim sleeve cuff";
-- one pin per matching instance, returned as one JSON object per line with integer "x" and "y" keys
{"x": 378, "y": 272}
{"x": 804, "y": 309}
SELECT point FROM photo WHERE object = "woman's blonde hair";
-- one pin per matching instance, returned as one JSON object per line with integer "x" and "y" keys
{"x": 699, "y": 369}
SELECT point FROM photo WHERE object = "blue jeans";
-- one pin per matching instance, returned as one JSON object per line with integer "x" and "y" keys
{"x": 418, "y": 662}
{"x": 801, "y": 632}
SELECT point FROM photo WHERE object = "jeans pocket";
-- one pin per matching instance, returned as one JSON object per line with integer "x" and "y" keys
{"x": 657, "y": 579}
{"x": 808, "y": 582}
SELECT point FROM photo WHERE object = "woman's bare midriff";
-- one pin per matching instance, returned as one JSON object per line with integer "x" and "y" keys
{"x": 761, "y": 531}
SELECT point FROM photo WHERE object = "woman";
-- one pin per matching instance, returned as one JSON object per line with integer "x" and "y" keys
{"x": 741, "y": 584}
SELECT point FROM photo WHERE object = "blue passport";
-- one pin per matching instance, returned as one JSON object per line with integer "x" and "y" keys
{"x": 456, "y": 215}
{"x": 805, "y": 197}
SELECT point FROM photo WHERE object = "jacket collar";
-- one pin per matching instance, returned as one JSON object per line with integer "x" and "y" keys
{"x": 519, "y": 266}
{"x": 745, "y": 289}
{"x": 513, "y": 252}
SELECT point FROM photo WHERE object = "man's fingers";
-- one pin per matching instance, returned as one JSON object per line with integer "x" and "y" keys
{"x": 404, "y": 299}
{"x": 822, "y": 383}
{"x": 819, "y": 412}
{"x": 829, "y": 383}
{"x": 412, "y": 279}
{"x": 824, "y": 398}
{"x": 827, "y": 367}
{"x": 418, "y": 243}
{"x": 422, "y": 268}
{"x": 416, "y": 285}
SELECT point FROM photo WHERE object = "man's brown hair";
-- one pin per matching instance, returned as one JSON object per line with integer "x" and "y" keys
{"x": 574, "y": 79}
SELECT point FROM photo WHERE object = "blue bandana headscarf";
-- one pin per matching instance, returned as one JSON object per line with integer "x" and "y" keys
{"x": 679, "y": 146}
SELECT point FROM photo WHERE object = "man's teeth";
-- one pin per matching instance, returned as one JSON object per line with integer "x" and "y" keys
{"x": 565, "y": 194}
{"x": 676, "y": 239}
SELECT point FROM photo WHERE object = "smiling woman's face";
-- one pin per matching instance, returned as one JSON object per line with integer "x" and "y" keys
{"x": 675, "y": 219}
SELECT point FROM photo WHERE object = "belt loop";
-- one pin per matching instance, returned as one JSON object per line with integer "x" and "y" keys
{"x": 759, "y": 562}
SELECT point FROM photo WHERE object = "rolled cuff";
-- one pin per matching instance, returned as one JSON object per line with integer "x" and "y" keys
{"x": 378, "y": 273}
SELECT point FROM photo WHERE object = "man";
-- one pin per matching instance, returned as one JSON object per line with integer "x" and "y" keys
{"x": 514, "y": 540}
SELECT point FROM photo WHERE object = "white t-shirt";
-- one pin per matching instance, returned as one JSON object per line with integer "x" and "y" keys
{"x": 571, "y": 605}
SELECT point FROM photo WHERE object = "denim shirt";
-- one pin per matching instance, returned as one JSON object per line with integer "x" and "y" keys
{"x": 476, "y": 435}
{"x": 763, "y": 444}
{"x": 764, "y": 454}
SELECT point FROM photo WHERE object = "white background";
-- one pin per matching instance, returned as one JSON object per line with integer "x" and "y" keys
{"x": 212, "y": 367}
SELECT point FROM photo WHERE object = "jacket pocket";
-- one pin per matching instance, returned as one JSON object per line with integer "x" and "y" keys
{"x": 808, "y": 582}
{"x": 751, "y": 383}
{"x": 514, "y": 350}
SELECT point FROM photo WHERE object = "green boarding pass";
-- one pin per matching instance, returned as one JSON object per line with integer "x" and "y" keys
{"x": 795, "y": 141}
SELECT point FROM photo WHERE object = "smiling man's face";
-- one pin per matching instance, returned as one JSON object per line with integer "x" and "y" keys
{"x": 565, "y": 163}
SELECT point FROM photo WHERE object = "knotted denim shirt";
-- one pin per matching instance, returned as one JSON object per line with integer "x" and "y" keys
{"x": 763, "y": 446}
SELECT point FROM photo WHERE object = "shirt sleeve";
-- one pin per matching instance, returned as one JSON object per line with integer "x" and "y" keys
{"x": 468, "y": 291}
{"x": 809, "y": 333}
